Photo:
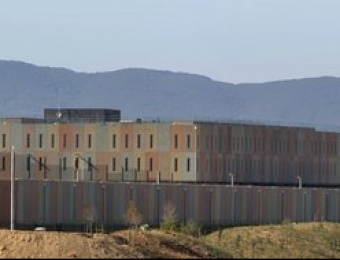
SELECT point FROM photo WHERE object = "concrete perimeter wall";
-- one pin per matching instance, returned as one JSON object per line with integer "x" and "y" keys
{"x": 72, "y": 203}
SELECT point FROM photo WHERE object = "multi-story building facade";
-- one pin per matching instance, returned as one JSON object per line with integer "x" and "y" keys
{"x": 109, "y": 149}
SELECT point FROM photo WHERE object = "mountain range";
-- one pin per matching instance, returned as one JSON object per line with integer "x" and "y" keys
{"x": 27, "y": 89}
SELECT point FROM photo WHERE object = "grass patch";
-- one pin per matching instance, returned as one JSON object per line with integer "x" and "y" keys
{"x": 286, "y": 240}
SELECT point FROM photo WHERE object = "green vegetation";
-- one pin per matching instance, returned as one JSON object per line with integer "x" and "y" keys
{"x": 192, "y": 228}
{"x": 287, "y": 240}
{"x": 170, "y": 225}
{"x": 133, "y": 217}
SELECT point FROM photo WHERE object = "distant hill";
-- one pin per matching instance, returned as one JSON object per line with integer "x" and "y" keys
{"x": 27, "y": 89}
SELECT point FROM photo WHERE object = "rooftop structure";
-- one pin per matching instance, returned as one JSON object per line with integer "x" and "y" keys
{"x": 81, "y": 115}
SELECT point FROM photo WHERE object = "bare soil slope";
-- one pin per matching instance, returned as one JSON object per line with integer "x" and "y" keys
{"x": 119, "y": 244}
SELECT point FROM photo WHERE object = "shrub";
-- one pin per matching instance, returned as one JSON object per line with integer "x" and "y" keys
{"x": 170, "y": 222}
{"x": 133, "y": 217}
{"x": 170, "y": 225}
{"x": 192, "y": 228}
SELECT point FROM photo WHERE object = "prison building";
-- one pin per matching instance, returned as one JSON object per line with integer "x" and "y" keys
{"x": 85, "y": 146}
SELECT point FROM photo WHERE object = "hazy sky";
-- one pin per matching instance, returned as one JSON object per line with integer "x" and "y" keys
{"x": 227, "y": 40}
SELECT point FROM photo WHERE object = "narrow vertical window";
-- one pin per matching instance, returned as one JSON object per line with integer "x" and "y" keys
{"x": 138, "y": 141}
{"x": 40, "y": 163}
{"x": 188, "y": 165}
{"x": 28, "y": 163}
{"x": 126, "y": 164}
{"x": 113, "y": 141}
{"x": 4, "y": 163}
{"x": 126, "y": 141}
{"x": 77, "y": 141}
{"x": 40, "y": 140}
{"x": 113, "y": 164}
{"x": 89, "y": 144}
{"x": 151, "y": 141}
{"x": 150, "y": 164}
{"x": 176, "y": 141}
{"x": 3, "y": 140}
{"x": 52, "y": 140}
{"x": 28, "y": 141}
{"x": 76, "y": 163}
{"x": 188, "y": 141}
{"x": 175, "y": 164}
{"x": 89, "y": 165}
{"x": 64, "y": 163}
{"x": 64, "y": 140}
{"x": 138, "y": 164}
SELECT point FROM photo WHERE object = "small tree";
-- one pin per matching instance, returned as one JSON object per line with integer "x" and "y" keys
{"x": 169, "y": 218}
{"x": 133, "y": 217}
{"x": 89, "y": 216}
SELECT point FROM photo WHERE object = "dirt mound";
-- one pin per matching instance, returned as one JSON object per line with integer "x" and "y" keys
{"x": 119, "y": 244}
